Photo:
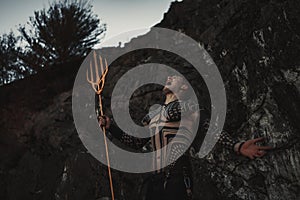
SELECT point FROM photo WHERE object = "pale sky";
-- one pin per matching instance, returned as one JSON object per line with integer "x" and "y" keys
{"x": 119, "y": 15}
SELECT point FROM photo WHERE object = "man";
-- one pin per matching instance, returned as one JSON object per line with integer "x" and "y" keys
{"x": 170, "y": 120}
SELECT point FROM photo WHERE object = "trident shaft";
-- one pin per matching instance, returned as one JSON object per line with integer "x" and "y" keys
{"x": 98, "y": 86}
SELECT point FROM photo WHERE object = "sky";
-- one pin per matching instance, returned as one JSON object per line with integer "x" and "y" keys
{"x": 119, "y": 15}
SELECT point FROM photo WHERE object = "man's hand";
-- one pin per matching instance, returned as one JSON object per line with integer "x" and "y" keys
{"x": 104, "y": 121}
{"x": 251, "y": 150}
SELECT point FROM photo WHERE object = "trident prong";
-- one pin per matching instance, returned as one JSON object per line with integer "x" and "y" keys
{"x": 97, "y": 83}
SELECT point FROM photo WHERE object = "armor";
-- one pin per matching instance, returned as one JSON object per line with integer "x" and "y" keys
{"x": 166, "y": 122}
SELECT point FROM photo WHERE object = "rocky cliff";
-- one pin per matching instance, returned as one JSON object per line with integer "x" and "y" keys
{"x": 256, "y": 46}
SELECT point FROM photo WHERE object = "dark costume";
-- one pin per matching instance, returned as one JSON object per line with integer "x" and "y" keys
{"x": 174, "y": 181}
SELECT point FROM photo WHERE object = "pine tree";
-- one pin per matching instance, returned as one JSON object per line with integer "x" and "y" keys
{"x": 67, "y": 30}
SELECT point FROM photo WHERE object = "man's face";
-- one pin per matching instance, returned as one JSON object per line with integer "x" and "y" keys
{"x": 174, "y": 84}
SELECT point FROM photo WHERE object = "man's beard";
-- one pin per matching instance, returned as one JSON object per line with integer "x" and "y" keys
{"x": 166, "y": 90}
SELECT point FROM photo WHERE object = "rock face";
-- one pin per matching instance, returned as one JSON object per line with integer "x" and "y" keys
{"x": 256, "y": 46}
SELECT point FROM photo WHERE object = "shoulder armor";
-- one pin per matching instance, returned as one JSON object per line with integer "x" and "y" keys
{"x": 146, "y": 120}
{"x": 173, "y": 111}
{"x": 176, "y": 109}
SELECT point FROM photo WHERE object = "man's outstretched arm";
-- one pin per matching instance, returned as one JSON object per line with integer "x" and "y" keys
{"x": 128, "y": 140}
{"x": 247, "y": 148}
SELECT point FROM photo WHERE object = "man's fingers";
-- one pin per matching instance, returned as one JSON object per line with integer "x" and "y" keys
{"x": 260, "y": 153}
{"x": 102, "y": 120}
{"x": 257, "y": 140}
{"x": 265, "y": 147}
{"x": 103, "y": 117}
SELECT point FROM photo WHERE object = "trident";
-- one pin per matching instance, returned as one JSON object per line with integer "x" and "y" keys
{"x": 98, "y": 86}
